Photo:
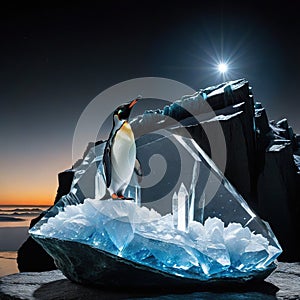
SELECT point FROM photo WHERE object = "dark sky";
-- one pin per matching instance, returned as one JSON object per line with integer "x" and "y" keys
{"x": 55, "y": 60}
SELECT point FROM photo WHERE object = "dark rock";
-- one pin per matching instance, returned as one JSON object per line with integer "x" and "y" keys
{"x": 263, "y": 130}
{"x": 234, "y": 93}
{"x": 297, "y": 143}
{"x": 31, "y": 256}
{"x": 278, "y": 198}
{"x": 106, "y": 269}
{"x": 64, "y": 183}
{"x": 283, "y": 283}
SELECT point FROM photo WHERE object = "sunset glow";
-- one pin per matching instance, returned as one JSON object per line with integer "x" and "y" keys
{"x": 32, "y": 181}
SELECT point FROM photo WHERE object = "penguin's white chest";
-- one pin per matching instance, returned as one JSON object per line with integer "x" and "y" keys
{"x": 123, "y": 155}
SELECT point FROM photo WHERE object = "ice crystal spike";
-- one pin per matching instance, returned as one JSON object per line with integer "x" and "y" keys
{"x": 192, "y": 191}
{"x": 183, "y": 208}
{"x": 175, "y": 210}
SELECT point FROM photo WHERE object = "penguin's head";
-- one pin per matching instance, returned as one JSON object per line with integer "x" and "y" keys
{"x": 123, "y": 111}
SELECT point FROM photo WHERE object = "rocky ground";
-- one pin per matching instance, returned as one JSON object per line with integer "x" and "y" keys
{"x": 283, "y": 283}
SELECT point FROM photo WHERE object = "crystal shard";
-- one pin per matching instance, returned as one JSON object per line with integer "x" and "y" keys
{"x": 183, "y": 208}
{"x": 78, "y": 227}
{"x": 175, "y": 210}
{"x": 137, "y": 250}
{"x": 206, "y": 232}
{"x": 253, "y": 254}
{"x": 119, "y": 231}
{"x": 192, "y": 191}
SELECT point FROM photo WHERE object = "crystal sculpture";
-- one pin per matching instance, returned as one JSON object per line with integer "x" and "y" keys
{"x": 192, "y": 225}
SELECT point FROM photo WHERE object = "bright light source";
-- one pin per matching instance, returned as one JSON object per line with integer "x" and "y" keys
{"x": 222, "y": 68}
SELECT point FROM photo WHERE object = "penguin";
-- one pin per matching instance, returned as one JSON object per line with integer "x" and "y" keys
{"x": 119, "y": 157}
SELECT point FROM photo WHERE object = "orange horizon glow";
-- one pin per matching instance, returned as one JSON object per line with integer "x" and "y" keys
{"x": 32, "y": 180}
{"x": 32, "y": 203}
{"x": 34, "y": 198}
{"x": 26, "y": 193}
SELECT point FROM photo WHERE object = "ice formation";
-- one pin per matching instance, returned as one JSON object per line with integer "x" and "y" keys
{"x": 144, "y": 236}
{"x": 191, "y": 223}
{"x": 205, "y": 231}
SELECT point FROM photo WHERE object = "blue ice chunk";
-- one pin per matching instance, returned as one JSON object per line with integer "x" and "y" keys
{"x": 216, "y": 259}
{"x": 101, "y": 240}
{"x": 254, "y": 253}
{"x": 78, "y": 227}
{"x": 145, "y": 237}
{"x": 173, "y": 255}
{"x": 120, "y": 231}
{"x": 273, "y": 254}
{"x": 210, "y": 265}
{"x": 136, "y": 250}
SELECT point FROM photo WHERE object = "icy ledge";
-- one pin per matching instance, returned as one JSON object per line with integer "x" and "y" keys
{"x": 145, "y": 237}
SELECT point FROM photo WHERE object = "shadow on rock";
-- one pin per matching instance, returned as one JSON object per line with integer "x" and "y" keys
{"x": 65, "y": 289}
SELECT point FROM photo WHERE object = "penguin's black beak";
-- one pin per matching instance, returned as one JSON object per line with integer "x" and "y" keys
{"x": 124, "y": 110}
{"x": 133, "y": 102}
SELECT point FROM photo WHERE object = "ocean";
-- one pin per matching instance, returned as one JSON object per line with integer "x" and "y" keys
{"x": 14, "y": 225}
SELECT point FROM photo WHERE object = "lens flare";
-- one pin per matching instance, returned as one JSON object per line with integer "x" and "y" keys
{"x": 222, "y": 67}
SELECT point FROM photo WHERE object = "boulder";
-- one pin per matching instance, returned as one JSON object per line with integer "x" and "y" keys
{"x": 283, "y": 283}
{"x": 31, "y": 256}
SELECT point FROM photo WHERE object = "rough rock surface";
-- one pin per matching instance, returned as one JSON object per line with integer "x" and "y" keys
{"x": 283, "y": 283}
{"x": 31, "y": 256}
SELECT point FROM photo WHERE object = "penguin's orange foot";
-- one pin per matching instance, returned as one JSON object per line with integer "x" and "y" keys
{"x": 116, "y": 196}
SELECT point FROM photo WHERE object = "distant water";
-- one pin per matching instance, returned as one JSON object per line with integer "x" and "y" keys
{"x": 12, "y": 216}
{"x": 14, "y": 224}
{"x": 8, "y": 264}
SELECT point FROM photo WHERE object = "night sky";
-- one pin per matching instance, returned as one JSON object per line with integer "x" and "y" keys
{"x": 55, "y": 60}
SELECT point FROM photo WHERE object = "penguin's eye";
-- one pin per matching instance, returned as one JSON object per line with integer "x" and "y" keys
{"x": 119, "y": 111}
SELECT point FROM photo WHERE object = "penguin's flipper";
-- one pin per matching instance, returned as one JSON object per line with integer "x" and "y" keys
{"x": 138, "y": 168}
{"x": 107, "y": 164}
